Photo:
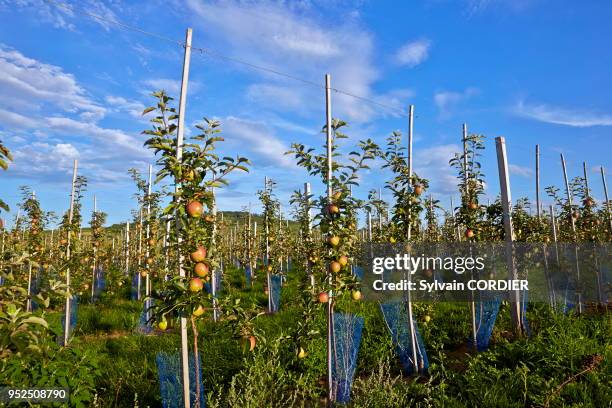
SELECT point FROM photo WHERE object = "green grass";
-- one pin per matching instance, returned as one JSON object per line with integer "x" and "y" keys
{"x": 512, "y": 373}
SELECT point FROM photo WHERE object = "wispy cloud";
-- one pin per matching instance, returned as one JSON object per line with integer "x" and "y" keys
{"x": 447, "y": 100}
{"x": 290, "y": 37}
{"x": 62, "y": 17}
{"x": 256, "y": 141}
{"x": 53, "y": 119}
{"x": 413, "y": 53}
{"x": 30, "y": 85}
{"x": 520, "y": 170}
{"x": 562, "y": 116}
{"x": 480, "y": 6}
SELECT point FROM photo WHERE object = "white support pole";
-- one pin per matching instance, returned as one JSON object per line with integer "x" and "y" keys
{"x": 330, "y": 303}
{"x": 148, "y": 246}
{"x": 95, "y": 250}
{"x": 180, "y": 131}
{"x": 411, "y": 321}
{"x": 506, "y": 198}
{"x": 127, "y": 248}
{"x": 69, "y": 238}
{"x": 267, "y": 263}
{"x": 213, "y": 278}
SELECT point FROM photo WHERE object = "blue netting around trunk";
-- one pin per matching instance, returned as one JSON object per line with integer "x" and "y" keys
{"x": 486, "y": 314}
{"x": 247, "y": 274}
{"x": 143, "y": 326}
{"x": 134, "y": 288}
{"x": 396, "y": 317}
{"x": 524, "y": 322}
{"x": 99, "y": 283}
{"x": 169, "y": 373}
{"x": 275, "y": 292}
{"x": 74, "y": 303}
{"x": 357, "y": 271}
{"x": 606, "y": 281}
{"x": 216, "y": 275}
{"x": 347, "y": 338}
{"x": 35, "y": 289}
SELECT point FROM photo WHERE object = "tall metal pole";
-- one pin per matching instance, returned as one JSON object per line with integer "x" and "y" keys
{"x": 330, "y": 304}
{"x": 180, "y": 131}
{"x": 69, "y": 238}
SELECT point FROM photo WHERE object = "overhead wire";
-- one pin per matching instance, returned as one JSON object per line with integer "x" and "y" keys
{"x": 214, "y": 54}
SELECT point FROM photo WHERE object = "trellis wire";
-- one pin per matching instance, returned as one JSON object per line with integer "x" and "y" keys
{"x": 347, "y": 339}
{"x": 396, "y": 319}
{"x": 170, "y": 380}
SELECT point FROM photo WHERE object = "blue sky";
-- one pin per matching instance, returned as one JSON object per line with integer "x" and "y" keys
{"x": 534, "y": 71}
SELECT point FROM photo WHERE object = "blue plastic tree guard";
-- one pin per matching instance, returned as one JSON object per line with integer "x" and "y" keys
{"x": 396, "y": 317}
{"x": 144, "y": 326}
{"x": 347, "y": 339}
{"x": 170, "y": 377}
{"x": 275, "y": 292}
{"x": 486, "y": 314}
{"x": 134, "y": 288}
{"x": 99, "y": 283}
{"x": 35, "y": 288}
{"x": 524, "y": 321}
{"x": 74, "y": 303}
{"x": 248, "y": 274}
{"x": 357, "y": 271}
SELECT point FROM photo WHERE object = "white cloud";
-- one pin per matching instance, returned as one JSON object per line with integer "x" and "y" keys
{"x": 290, "y": 37}
{"x": 61, "y": 17}
{"x": 275, "y": 96}
{"x": 255, "y": 141}
{"x": 479, "y": 6}
{"x": 27, "y": 84}
{"x": 106, "y": 141}
{"x": 10, "y": 119}
{"x": 432, "y": 164}
{"x": 134, "y": 108}
{"x": 562, "y": 116}
{"x": 413, "y": 53}
{"x": 446, "y": 100}
{"x": 520, "y": 170}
